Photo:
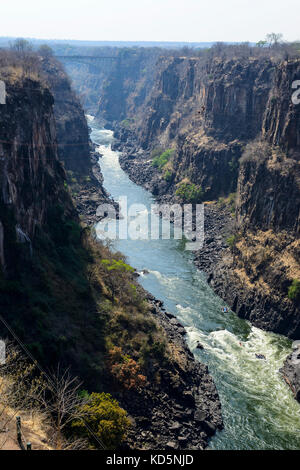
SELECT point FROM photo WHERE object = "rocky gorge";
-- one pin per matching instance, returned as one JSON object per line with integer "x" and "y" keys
{"x": 233, "y": 131}
{"x": 53, "y": 277}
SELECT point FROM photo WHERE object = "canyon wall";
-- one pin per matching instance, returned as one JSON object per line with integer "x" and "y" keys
{"x": 74, "y": 147}
{"x": 234, "y": 131}
{"x": 265, "y": 258}
{"x": 206, "y": 111}
{"x": 41, "y": 236}
{"x": 31, "y": 175}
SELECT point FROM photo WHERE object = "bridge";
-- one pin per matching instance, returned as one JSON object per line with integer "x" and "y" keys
{"x": 93, "y": 61}
{"x": 90, "y": 57}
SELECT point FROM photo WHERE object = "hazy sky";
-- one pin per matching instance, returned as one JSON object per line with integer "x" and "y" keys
{"x": 150, "y": 20}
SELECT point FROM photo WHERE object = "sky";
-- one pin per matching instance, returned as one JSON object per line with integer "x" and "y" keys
{"x": 150, "y": 20}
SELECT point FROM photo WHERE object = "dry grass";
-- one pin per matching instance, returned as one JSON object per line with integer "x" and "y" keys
{"x": 264, "y": 254}
{"x": 35, "y": 427}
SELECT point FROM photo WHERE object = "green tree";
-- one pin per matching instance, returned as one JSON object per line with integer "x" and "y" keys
{"x": 118, "y": 277}
{"x": 161, "y": 160}
{"x": 294, "y": 290}
{"x": 231, "y": 241}
{"x": 105, "y": 417}
{"x": 168, "y": 176}
{"x": 45, "y": 51}
{"x": 261, "y": 43}
{"x": 190, "y": 193}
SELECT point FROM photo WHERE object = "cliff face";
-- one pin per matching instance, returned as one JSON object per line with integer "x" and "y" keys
{"x": 74, "y": 147}
{"x": 206, "y": 111}
{"x": 227, "y": 99}
{"x": 40, "y": 234}
{"x": 265, "y": 260}
{"x": 268, "y": 190}
{"x": 282, "y": 117}
{"x": 31, "y": 176}
{"x": 127, "y": 85}
{"x": 71, "y": 125}
{"x": 291, "y": 371}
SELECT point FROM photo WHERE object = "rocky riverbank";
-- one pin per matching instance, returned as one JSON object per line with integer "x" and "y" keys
{"x": 88, "y": 192}
{"x": 291, "y": 371}
{"x": 184, "y": 410}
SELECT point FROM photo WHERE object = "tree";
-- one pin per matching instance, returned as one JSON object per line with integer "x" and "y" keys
{"x": 261, "y": 43}
{"x": 190, "y": 193}
{"x": 117, "y": 273}
{"x": 294, "y": 290}
{"x": 59, "y": 396}
{"x": 161, "y": 160}
{"x": 126, "y": 370}
{"x": 273, "y": 39}
{"x": 45, "y": 51}
{"x": 22, "y": 46}
{"x": 24, "y": 51}
{"x": 105, "y": 417}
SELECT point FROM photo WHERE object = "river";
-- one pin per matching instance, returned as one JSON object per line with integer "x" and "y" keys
{"x": 258, "y": 408}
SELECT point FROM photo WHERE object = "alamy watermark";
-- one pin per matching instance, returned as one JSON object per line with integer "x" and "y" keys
{"x": 2, "y": 352}
{"x": 2, "y": 92}
{"x": 296, "y": 94}
{"x": 137, "y": 222}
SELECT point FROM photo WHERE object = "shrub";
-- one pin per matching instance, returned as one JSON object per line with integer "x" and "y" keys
{"x": 125, "y": 123}
{"x": 231, "y": 241}
{"x": 233, "y": 164}
{"x": 117, "y": 265}
{"x": 231, "y": 198}
{"x": 126, "y": 370}
{"x": 294, "y": 290}
{"x": 154, "y": 350}
{"x": 221, "y": 202}
{"x": 256, "y": 151}
{"x": 231, "y": 201}
{"x": 189, "y": 192}
{"x": 161, "y": 160}
{"x": 105, "y": 417}
{"x": 168, "y": 176}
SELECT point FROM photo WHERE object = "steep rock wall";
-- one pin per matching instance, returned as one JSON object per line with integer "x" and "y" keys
{"x": 265, "y": 259}
{"x": 31, "y": 175}
{"x": 206, "y": 112}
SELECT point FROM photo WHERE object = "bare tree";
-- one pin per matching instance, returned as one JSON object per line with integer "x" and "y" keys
{"x": 274, "y": 39}
{"x": 22, "y": 46}
{"x": 55, "y": 396}
{"x": 59, "y": 397}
